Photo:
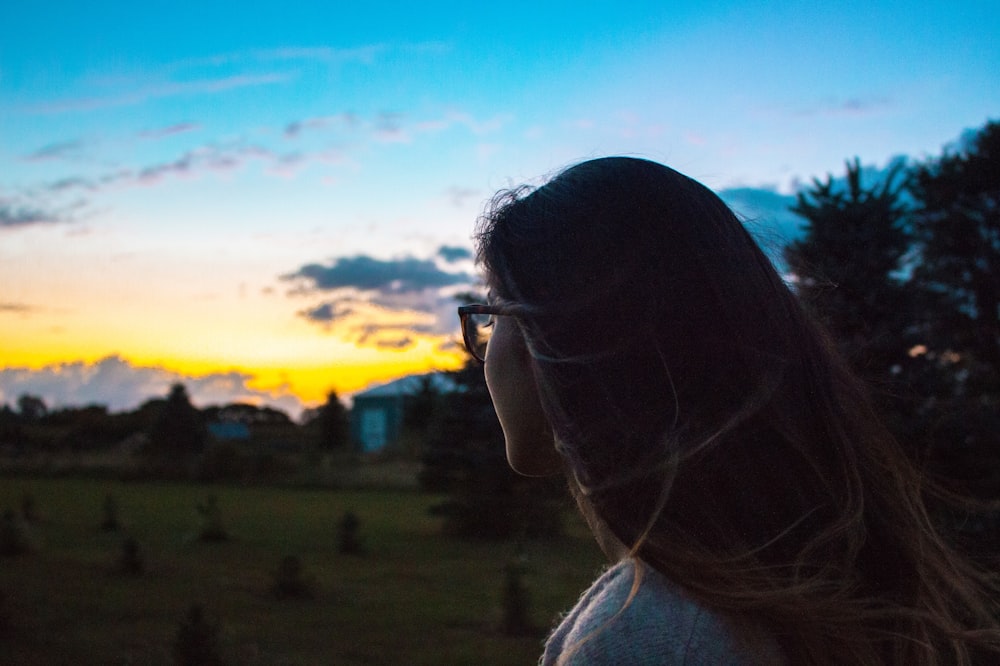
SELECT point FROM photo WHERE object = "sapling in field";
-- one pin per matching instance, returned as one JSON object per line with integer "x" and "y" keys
{"x": 291, "y": 581}
{"x": 212, "y": 528}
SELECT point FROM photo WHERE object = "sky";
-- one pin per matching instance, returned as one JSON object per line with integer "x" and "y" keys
{"x": 269, "y": 201}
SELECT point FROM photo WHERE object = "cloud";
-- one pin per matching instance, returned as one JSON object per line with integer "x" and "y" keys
{"x": 328, "y": 312}
{"x": 851, "y": 106}
{"x": 297, "y": 127}
{"x": 22, "y": 216}
{"x": 176, "y": 78}
{"x": 203, "y": 159}
{"x": 395, "y": 127}
{"x": 460, "y": 195}
{"x": 160, "y": 90}
{"x": 451, "y": 253}
{"x": 385, "y": 303}
{"x": 169, "y": 130}
{"x": 324, "y": 54}
{"x": 56, "y": 151}
{"x": 388, "y": 128}
{"x": 362, "y": 272}
{"x": 15, "y": 214}
{"x": 395, "y": 337}
{"x": 120, "y": 385}
{"x": 17, "y": 308}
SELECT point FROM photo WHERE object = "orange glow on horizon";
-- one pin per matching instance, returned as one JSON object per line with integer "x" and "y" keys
{"x": 305, "y": 368}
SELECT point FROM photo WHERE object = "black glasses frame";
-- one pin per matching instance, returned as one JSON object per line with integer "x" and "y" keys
{"x": 469, "y": 331}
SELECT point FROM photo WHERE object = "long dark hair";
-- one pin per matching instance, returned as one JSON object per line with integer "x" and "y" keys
{"x": 706, "y": 421}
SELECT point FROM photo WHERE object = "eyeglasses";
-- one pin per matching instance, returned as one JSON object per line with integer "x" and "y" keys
{"x": 477, "y": 327}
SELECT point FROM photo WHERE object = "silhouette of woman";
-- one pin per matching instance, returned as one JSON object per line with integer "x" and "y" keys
{"x": 731, "y": 467}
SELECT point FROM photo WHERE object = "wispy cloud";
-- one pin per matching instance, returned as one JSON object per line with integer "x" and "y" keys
{"x": 17, "y": 308}
{"x": 159, "y": 90}
{"x": 47, "y": 202}
{"x": 56, "y": 151}
{"x": 324, "y": 54}
{"x": 393, "y": 126}
{"x": 460, "y": 196}
{"x": 297, "y": 127}
{"x": 14, "y": 214}
{"x": 389, "y": 129}
{"x": 209, "y": 158}
{"x": 202, "y": 75}
{"x": 169, "y": 130}
{"x": 851, "y": 107}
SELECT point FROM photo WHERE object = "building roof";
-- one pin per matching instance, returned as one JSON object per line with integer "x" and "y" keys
{"x": 411, "y": 385}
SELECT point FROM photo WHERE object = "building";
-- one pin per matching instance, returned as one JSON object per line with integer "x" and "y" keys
{"x": 377, "y": 414}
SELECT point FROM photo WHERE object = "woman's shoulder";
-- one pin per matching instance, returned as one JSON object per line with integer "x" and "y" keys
{"x": 633, "y": 615}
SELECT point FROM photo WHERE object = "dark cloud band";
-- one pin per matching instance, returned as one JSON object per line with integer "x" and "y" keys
{"x": 369, "y": 274}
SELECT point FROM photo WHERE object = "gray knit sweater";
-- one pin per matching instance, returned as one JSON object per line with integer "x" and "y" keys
{"x": 659, "y": 626}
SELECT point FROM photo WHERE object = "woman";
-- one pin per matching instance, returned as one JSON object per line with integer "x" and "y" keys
{"x": 726, "y": 460}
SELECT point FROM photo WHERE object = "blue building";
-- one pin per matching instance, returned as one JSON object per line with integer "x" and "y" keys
{"x": 377, "y": 414}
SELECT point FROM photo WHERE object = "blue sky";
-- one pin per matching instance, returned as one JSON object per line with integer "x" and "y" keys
{"x": 253, "y": 199}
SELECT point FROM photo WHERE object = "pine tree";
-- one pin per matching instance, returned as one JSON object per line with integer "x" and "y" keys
{"x": 179, "y": 431}
{"x": 334, "y": 424}
{"x": 957, "y": 226}
{"x": 849, "y": 267}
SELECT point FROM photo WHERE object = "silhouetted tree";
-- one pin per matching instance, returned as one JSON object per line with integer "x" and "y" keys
{"x": 332, "y": 419}
{"x": 421, "y": 405}
{"x": 911, "y": 293}
{"x": 851, "y": 268}
{"x": 957, "y": 227}
{"x": 87, "y": 427}
{"x": 466, "y": 458}
{"x": 179, "y": 431}
{"x": 10, "y": 427}
{"x": 957, "y": 223}
{"x": 848, "y": 267}
{"x": 31, "y": 407}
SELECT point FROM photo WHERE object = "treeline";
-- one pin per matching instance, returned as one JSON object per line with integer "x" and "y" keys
{"x": 905, "y": 274}
{"x": 169, "y": 437}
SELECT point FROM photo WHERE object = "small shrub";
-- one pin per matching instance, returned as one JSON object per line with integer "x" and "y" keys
{"x": 29, "y": 508}
{"x": 212, "y": 528}
{"x": 131, "y": 562}
{"x": 197, "y": 640}
{"x": 14, "y": 537}
{"x": 348, "y": 535}
{"x": 514, "y": 603}
{"x": 110, "y": 521}
{"x": 290, "y": 581}
{"x": 4, "y": 614}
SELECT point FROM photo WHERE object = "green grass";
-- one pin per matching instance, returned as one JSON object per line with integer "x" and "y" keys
{"x": 416, "y": 597}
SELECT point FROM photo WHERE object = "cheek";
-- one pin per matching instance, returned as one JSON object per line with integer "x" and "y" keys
{"x": 528, "y": 437}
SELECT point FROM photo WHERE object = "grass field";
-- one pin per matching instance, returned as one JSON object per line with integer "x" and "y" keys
{"x": 415, "y": 596}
